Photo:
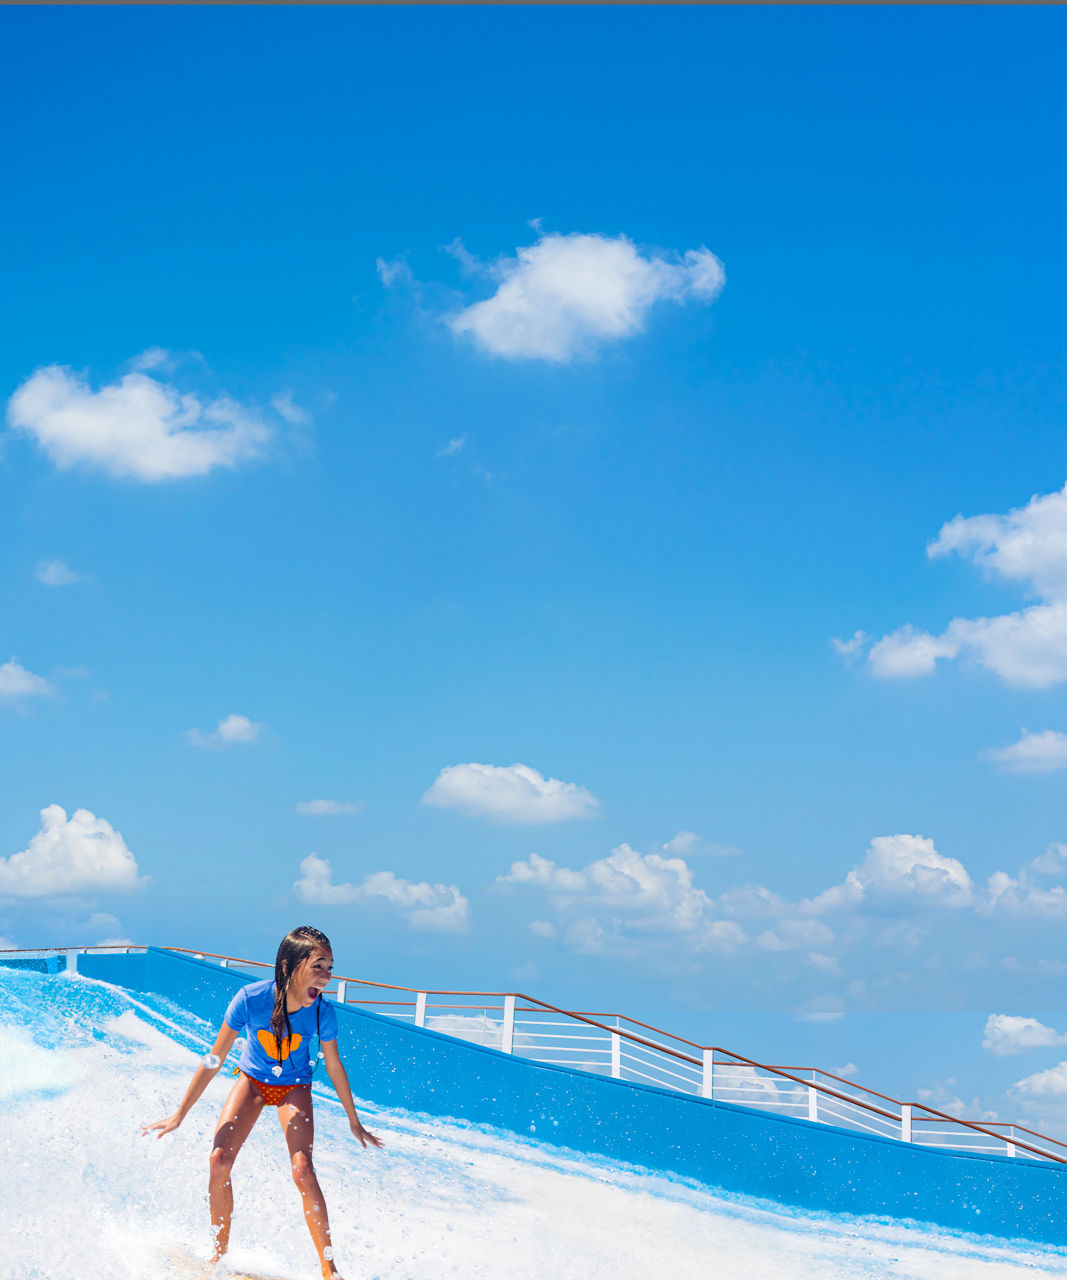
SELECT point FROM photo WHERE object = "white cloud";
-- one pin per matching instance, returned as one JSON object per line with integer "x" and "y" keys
{"x": 394, "y": 272}
{"x": 900, "y": 893}
{"x": 849, "y": 648}
{"x": 286, "y": 407}
{"x": 453, "y": 447}
{"x": 541, "y": 871}
{"x": 137, "y": 427}
{"x": 17, "y": 682}
{"x": 657, "y": 891}
{"x": 77, "y": 855}
{"x": 329, "y": 808}
{"x": 1027, "y": 545}
{"x": 153, "y": 358}
{"x": 469, "y": 264}
{"x": 231, "y": 729}
{"x": 1028, "y": 893}
{"x": 1034, "y": 753}
{"x": 57, "y": 573}
{"x": 515, "y": 793}
{"x": 1043, "y": 1086}
{"x": 439, "y": 907}
{"x": 909, "y": 652}
{"x": 565, "y": 294}
{"x": 899, "y": 869}
{"x": 1005, "y": 1034}
{"x": 687, "y": 844}
{"x": 612, "y": 901}
{"x": 1026, "y": 648}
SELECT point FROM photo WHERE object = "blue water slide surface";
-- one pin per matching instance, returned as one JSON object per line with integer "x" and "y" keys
{"x": 794, "y": 1162}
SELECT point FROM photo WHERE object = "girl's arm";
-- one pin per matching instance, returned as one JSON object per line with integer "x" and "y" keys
{"x": 335, "y": 1069}
{"x": 202, "y": 1077}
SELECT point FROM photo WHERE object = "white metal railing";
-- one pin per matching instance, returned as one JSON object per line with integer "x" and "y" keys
{"x": 625, "y": 1049}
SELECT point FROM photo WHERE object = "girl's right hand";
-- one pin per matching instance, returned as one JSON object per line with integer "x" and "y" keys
{"x": 164, "y": 1126}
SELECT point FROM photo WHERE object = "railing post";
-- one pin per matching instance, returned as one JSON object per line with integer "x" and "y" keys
{"x": 813, "y": 1103}
{"x": 905, "y": 1122}
{"x": 1009, "y": 1146}
{"x": 420, "y": 1009}
{"x": 616, "y": 1056}
{"x": 72, "y": 962}
{"x": 707, "y": 1075}
{"x": 507, "y": 1038}
{"x": 342, "y": 991}
{"x": 224, "y": 964}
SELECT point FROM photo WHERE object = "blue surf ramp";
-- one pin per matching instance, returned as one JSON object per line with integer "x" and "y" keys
{"x": 83, "y": 1195}
{"x": 815, "y": 1167}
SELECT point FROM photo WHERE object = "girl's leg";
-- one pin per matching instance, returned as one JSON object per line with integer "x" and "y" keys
{"x": 239, "y": 1114}
{"x": 298, "y": 1122}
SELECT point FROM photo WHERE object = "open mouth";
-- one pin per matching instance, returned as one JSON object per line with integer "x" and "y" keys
{"x": 313, "y": 993}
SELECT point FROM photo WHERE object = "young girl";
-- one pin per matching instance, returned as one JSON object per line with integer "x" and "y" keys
{"x": 278, "y": 1019}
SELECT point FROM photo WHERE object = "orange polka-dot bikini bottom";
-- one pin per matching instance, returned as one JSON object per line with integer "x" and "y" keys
{"x": 273, "y": 1094}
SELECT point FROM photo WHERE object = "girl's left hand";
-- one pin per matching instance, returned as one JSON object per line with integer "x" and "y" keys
{"x": 364, "y": 1135}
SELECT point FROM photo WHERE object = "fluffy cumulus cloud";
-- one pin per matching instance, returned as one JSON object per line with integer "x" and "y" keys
{"x": 138, "y": 427}
{"x": 900, "y": 869}
{"x": 1026, "y": 648}
{"x": 439, "y": 907}
{"x": 1041, "y": 752}
{"x": 566, "y": 294}
{"x": 329, "y": 808}
{"x": 80, "y": 854}
{"x": 1043, "y": 1088}
{"x": 230, "y": 730}
{"x": 614, "y": 900}
{"x": 509, "y": 793}
{"x": 16, "y": 682}
{"x": 851, "y": 937}
{"x": 1005, "y": 1035}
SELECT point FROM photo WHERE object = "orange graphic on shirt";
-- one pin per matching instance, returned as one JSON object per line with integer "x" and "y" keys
{"x": 279, "y": 1051}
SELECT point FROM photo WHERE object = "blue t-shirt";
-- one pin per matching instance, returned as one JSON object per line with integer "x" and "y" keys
{"x": 250, "y": 1012}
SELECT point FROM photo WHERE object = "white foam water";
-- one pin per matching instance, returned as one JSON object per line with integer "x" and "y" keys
{"x": 84, "y": 1196}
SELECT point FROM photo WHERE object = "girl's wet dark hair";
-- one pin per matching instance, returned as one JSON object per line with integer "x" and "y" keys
{"x": 293, "y": 950}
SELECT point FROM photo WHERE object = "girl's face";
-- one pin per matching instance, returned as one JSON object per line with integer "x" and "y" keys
{"x": 311, "y": 977}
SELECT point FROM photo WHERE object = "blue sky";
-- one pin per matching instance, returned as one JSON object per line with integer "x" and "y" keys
{"x": 487, "y": 421}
